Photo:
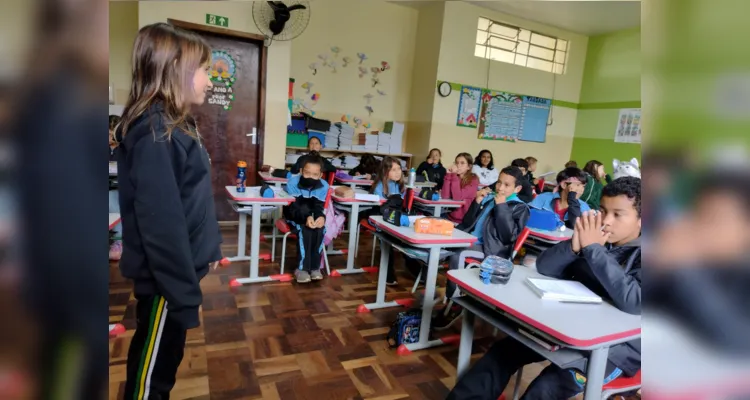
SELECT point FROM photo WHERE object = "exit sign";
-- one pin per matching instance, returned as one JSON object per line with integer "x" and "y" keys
{"x": 217, "y": 20}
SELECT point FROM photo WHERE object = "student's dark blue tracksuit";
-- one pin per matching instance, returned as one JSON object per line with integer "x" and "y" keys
{"x": 307, "y": 202}
{"x": 612, "y": 272}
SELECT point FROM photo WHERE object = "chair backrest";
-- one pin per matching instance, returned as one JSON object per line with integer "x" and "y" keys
{"x": 520, "y": 241}
{"x": 328, "y": 197}
{"x": 330, "y": 178}
{"x": 540, "y": 186}
{"x": 408, "y": 199}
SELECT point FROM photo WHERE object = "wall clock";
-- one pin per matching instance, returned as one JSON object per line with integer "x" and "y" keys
{"x": 444, "y": 89}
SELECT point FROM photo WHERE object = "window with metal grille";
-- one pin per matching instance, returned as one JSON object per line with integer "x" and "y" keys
{"x": 506, "y": 43}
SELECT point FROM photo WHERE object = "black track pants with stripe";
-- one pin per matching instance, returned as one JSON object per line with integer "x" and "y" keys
{"x": 155, "y": 352}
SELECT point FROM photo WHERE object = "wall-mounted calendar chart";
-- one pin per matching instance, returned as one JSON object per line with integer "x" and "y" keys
{"x": 511, "y": 117}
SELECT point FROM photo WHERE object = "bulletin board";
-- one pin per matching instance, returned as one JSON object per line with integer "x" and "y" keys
{"x": 511, "y": 117}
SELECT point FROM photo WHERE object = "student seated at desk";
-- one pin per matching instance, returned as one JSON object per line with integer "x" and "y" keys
{"x": 484, "y": 168}
{"x": 565, "y": 202}
{"x": 390, "y": 183}
{"x": 460, "y": 184}
{"x": 307, "y": 217}
{"x": 368, "y": 167}
{"x": 532, "y": 168}
{"x": 604, "y": 255}
{"x": 595, "y": 173}
{"x": 314, "y": 145}
{"x": 497, "y": 221}
{"x": 527, "y": 189}
{"x": 432, "y": 169}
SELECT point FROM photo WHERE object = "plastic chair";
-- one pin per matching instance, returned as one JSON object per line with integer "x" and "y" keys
{"x": 540, "y": 186}
{"x": 284, "y": 228}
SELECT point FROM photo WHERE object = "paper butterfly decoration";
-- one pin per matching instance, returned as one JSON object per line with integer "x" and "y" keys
{"x": 375, "y": 81}
{"x": 324, "y": 58}
{"x": 368, "y": 97}
{"x": 335, "y": 50}
{"x": 307, "y": 86}
{"x": 626, "y": 168}
{"x": 332, "y": 64}
{"x": 367, "y": 125}
{"x": 357, "y": 121}
{"x": 380, "y": 92}
{"x": 362, "y": 57}
{"x": 345, "y": 118}
{"x": 314, "y": 68}
{"x": 375, "y": 70}
{"x": 384, "y": 66}
{"x": 315, "y": 97}
{"x": 369, "y": 110}
{"x": 362, "y": 71}
{"x": 346, "y": 61}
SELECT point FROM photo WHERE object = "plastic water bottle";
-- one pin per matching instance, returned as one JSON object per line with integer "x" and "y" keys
{"x": 241, "y": 176}
{"x": 412, "y": 177}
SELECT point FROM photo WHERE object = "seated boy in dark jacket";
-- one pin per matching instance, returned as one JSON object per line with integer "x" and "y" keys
{"x": 604, "y": 255}
{"x": 527, "y": 188}
{"x": 496, "y": 220}
{"x": 307, "y": 217}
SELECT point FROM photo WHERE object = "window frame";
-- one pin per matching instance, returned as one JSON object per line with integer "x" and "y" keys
{"x": 487, "y": 47}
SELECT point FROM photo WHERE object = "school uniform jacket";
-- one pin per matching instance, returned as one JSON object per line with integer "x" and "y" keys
{"x": 500, "y": 224}
{"x": 307, "y": 202}
{"x": 433, "y": 173}
{"x": 612, "y": 272}
{"x": 170, "y": 233}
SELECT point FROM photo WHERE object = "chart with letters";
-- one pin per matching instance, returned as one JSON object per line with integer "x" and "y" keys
{"x": 510, "y": 117}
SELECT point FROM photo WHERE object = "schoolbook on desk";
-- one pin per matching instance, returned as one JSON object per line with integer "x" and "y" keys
{"x": 563, "y": 291}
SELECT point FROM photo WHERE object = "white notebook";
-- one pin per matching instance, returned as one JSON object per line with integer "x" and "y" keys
{"x": 564, "y": 291}
{"x": 367, "y": 197}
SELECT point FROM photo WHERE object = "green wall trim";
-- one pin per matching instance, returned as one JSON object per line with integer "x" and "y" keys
{"x": 566, "y": 104}
{"x": 609, "y": 105}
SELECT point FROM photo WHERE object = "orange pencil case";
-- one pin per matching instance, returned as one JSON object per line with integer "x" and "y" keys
{"x": 435, "y": 226}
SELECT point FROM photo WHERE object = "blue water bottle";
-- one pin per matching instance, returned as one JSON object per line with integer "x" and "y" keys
{"x": 241, "y": 176}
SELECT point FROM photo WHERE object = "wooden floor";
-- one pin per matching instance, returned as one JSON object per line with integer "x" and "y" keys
{"x": 290, "y": 341}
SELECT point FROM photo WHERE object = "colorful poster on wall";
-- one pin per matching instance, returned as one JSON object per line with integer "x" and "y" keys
{"x": 628, "y": 126}
{"x": 468, "y": 106}
{"x": 510, "y": 117}
{"x": 500, "y": 116}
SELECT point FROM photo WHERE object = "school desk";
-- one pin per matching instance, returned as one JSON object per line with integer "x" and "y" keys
{"x": 272, "y": 180}
{"x": 388, "y": 234}
{"x": 585, "y": 331}
{"x": 250, "y": 202}
{"x": 436, "y": 206}
{"x": 682, "y": 367}
{"x": 115, "y": 329}
{"x": 353, "y": 183}
{"x": 353, "y": 207}
{"x": 551, "y": 237}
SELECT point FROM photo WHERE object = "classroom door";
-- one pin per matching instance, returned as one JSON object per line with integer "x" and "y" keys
{"x": 231, "y": 120}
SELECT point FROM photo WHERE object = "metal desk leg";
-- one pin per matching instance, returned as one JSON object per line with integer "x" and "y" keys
{"x": 464, "y": 346}
{"x": 352, "y": 252}
{"x": 385, "y": 249}
{"x": 595, "y": 371}
{"x": 429, "y": 303}
{"x": 254, "y": 250}
{"x": 438, "y": 211}
{"x": 241, "y": 238}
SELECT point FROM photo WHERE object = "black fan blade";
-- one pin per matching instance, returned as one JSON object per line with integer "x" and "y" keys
{"x": 277, "y": 5}
{"x": 297, "y": 7}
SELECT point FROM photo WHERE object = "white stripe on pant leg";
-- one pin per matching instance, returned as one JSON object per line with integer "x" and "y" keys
{"x": 155, "y": 353}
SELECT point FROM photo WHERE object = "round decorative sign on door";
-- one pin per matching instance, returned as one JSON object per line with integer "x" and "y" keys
{"x": 222, "y": 74}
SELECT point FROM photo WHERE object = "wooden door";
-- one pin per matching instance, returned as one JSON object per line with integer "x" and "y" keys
{"x": 233, "y": 111}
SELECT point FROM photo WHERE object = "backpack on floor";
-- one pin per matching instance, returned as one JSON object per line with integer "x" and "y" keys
{"x": 405, "y": 329}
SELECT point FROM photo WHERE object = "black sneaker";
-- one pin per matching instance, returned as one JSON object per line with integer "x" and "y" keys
{"x": 443, "y": 321}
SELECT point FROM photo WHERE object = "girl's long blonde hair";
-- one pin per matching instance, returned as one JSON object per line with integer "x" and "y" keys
{"x": 165, "y": 59}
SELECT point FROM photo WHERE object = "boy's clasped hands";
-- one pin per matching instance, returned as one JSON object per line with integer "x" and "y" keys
{"x": 484, "y": 192}
{"x": 588, "y": 231}
{"x": 313, "y": 223}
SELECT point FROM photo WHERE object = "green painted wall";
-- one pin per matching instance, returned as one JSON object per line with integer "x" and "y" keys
{"x": 612, "y": 75}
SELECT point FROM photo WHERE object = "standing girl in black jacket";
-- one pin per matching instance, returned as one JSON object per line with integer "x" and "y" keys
{"x": 170, "y": 234}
